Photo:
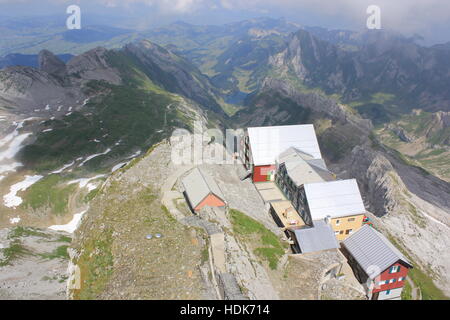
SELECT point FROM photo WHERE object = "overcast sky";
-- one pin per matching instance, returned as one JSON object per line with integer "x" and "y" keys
{"x": 430, "y": 18}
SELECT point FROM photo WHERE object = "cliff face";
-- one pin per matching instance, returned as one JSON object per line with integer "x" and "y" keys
{"x": 318, "y": 102}
{"x": 378, "y": 180}
{"x": 26, "y": 89}
{"x": 93, "y": 65}
{"x": 173, "y": 73}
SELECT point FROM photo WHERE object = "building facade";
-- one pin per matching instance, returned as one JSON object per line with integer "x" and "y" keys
{"x": 345, "y": 226}
{"x": 376, "y": 263}
{"x": 261, "y": 147}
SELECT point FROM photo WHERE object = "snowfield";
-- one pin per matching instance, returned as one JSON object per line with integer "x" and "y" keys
{"x": 72, "y": 225}
{"x": 11, "y": 200}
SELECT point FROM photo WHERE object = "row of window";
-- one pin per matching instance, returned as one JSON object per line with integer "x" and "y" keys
{"x": 393, "y": 280}
{"x": 338, "y": 222}
{"x": 349, "y": 231}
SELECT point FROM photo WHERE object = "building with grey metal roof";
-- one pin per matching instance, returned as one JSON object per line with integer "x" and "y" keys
{"x": 303, "y": 168}
{"x": 334, "y": 199}
{"x": 318, "y": 238}
{"x": 199, "y": 186}
{"x": 372, "y": 251}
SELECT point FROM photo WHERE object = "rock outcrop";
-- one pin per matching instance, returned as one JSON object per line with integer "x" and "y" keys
{"x": 51, "y": 64}
{"x": 93, "y": 65}
{"x": 377, "y": 178}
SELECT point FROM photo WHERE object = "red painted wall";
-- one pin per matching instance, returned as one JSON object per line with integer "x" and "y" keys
{"x": 210, "y": 201}
{"x": 260, "y": 173}
{"x": 385, "y": 275}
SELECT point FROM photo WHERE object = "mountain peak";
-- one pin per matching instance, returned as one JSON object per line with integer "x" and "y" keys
{"x": 51, "y": 64}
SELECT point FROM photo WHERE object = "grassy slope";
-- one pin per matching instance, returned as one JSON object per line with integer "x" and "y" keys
{"x": 118, "y": 255}
{"x": 429, "y": 149}
{"x": 50, "y": 191}
{"x": 267, "y": 245}
{"x": 123, "y": 113}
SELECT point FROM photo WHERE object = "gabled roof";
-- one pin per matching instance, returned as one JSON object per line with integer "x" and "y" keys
{"x": 320, "y": 237}
{"x": 268, "y": 142}
{"x": 373, "y": 252}
{"x": 338, "y": 198}
{"x": 302, "y": 169}
{"x": 199, "y": 185}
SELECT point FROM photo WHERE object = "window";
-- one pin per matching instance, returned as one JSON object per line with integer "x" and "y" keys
{"x": 381, "y": 283}
{"x": 388, "y": 292}
{"x": 341, "y": 232}
{"x": 394, "y": 269}
{"x": 338, "y": 222}
{"x": 348, "y": 231}
{"x": 336, "y": 232}
{"x": 393, "y": 280}
{"x": 401, "y": 279}
{"x": 351, "y": 219}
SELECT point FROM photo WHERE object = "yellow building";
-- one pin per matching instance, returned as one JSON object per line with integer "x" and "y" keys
{"x": 345, "y": 226}
{"x": 337, "y": 202}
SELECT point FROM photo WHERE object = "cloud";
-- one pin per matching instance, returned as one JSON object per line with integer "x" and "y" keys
{"x": 421, "y": 16}
{"x": 402, "y": 15}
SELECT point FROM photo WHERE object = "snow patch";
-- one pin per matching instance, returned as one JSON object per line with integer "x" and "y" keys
{"x": 14, "y": 146}
{"x": 11, "y": 199}
{"x": 72, "y": 225}
{"x": 64, "y": 167}
{"x": 94, "y": 156}
{"x": 9, "y": 167}
{"x": 118, "y": 166}
{"x": 14, "y": 220}
{"x": 83, "y": 182}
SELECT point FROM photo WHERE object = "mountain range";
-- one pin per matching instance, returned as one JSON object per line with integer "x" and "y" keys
{"x": 371, "y": 96}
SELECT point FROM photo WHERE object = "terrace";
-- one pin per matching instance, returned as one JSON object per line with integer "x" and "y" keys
{"x": 285, "y": 215}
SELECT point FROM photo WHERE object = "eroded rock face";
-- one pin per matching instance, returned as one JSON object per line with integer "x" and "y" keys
{"x": 25, "y": 88}
{"x": 377, "y": 178}
{"x": 93, "y": 65}
{"x": 318, "y": 103}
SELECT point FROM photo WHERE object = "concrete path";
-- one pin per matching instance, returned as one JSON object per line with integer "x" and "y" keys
{"x": 416, "y": 294}
{"x": 217, "y": 247}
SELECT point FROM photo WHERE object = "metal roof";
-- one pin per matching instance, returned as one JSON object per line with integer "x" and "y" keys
{"x": 334, "y": 198}
{"x": 268, "y": 142}
{"x": 303, "y": 169}
{"x": 199, "y": 185}
{"x": 320, "y": 237}
{"x": 373, "y": 252}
